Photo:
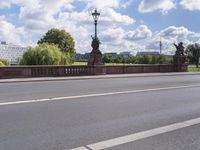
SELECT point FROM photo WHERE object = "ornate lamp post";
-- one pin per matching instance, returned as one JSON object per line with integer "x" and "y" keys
{"x": 160, "y": 45}
{"x": 95, "y": 15}
{"x": 95, "y": 56}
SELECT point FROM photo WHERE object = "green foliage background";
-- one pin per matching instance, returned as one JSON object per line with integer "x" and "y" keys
{"x": 193, "y": 53}
{"x": 4, "y": 62}
{"x": 61, "y": 38}
{"x": 44, "y": 54}
{"x": 146, "y": 59}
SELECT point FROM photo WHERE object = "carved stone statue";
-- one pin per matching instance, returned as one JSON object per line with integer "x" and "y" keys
{"x": 95, "y": 43}
{"x": 179, "y": 49}
{"x": 95, "y": 55}
{"x": 179, "y": 57}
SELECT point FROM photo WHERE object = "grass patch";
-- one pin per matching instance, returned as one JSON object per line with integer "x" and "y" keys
{"x": 113, "y": 64}
{"x": 193, "y": 69}
{"x": 107, "y": 64}
{"x": 77, "y": 63}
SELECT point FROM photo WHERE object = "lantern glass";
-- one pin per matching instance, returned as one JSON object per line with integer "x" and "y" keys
{"x": 95, "y": 15}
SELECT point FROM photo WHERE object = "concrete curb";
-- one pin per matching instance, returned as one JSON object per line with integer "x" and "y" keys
{"x": 43, "y": 79}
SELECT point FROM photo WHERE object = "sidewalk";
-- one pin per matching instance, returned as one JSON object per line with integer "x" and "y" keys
{"x": 41, "y": 79}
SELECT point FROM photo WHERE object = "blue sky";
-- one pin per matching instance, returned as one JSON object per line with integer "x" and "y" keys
{"x": 124, "y": 25}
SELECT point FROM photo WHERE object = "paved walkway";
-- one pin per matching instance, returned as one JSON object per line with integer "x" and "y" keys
{"x": 95, "y": 77}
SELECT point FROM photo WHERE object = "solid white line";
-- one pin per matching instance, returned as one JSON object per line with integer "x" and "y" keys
{"x": 96, "y": 95}
{"x": 141, "y": 135}
{"x": 80, "y": 148}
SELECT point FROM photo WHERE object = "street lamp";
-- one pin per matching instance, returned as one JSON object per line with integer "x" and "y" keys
{"x": 96, "y": 55}
{"x": 160, "y": 45}
{"x": 95, "y": 15}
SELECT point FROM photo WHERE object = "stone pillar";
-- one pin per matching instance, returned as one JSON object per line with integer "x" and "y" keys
{"x": 95, "y": 61}
{"x": 95, "y": 58}
{"x": 180, "y": 58}
{"x": 180, "y": 63}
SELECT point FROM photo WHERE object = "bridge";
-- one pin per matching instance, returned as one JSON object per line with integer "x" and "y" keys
{"x": 142, "y": 112}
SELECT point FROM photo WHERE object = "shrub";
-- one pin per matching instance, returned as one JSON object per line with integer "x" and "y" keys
{"x": 44, "y": 54}
{"x": 4, "y": 62}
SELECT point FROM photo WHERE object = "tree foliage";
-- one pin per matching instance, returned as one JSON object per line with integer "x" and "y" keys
{"x": 1, "y": 63}
{"x": 107, "y": 58}
{"x": 4, "y": 62}
{"x": 163, "y": 60}
{"x": 61, "y": 38}
{"x": 44, "y": 54}
{"x": 145, "y": 59}
{"x": 193, "y": 53}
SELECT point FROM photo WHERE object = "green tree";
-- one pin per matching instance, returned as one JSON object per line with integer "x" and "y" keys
{"x": 145, "y": 59}
{"x": 44, "y": 54}
{"x": 106, "y": 59}
{"x": 1, "y": 63}
{"x": 118, "y": 59}
{"x": 4, "y": 62}
{"x": 163, "y": 60}
{"x": 61, "y": 38}
{"x": 154, "y": 59}
{"x": 132, "y": 60}
{"x": 193, "y": 53}
{"x": 128, "y": 60}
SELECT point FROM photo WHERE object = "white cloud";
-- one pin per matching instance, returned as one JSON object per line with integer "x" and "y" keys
{"x": 191, "y": 4}
{"x": 9, "y": 3}
{"x": 11, "y": 33}
{"x": 107, "y": 17}
{"x": 41, "y": 13}
{"x": 4, "y": 4}
{"x": 102, "y": 4}
{"x": 113, "y": 36}
{"x": 35, "y": 19}
{"x": 126, "y": 3}
{"x": 111, "y": 16}
{"x": 147, "y": 6}
{"x": 55, "y": 6}
{"x": 115, "y": 29}
{"x": 113, "y": 40}
{"x": 46, "y": 4}
{"x": 118, "y": 39}
{"x": 172, "y": 35}
{"x": 154, "y": 45}
{"x": 141, "y": 33}
{"x": 38, "y": 16}
{"x": 178, "y": 33}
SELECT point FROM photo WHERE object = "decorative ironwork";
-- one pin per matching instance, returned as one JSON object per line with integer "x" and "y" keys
{"x": 95, "y": 55}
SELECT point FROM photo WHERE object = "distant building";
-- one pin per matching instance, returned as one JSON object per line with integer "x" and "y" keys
{"x": 11, "y": 52}
{"x": 148, "y": 53}
{"x": 82, "y": 57}
{"x": 111, "y": 54}
{"x": 125, "y": 54}
{"x": 169, "y": 57}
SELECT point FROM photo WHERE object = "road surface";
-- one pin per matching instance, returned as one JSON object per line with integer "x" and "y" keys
{"x": 134, "y": 113}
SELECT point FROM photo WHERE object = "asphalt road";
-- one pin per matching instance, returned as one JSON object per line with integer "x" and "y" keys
{"x": 96, "y": 110}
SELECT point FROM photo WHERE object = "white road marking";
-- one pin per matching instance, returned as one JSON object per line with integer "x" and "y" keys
{"x": 96, "y": 95}
{"x": 80, "y": 148}
{"x": 141, "y": 135}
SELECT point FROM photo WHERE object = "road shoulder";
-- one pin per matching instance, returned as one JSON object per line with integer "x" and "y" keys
{"x": 42, "y": 79}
